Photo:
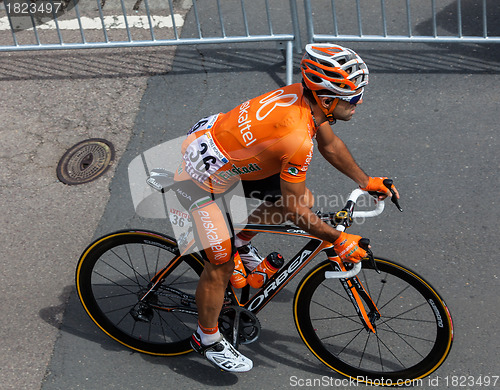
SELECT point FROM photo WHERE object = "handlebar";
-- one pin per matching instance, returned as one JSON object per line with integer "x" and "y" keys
{"x": 344, "y": 275}
{"x": 343, "y": 220}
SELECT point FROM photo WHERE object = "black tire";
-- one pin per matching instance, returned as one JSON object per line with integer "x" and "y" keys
{"x": 113, "y": 274}
{"x": 414, "y": 334}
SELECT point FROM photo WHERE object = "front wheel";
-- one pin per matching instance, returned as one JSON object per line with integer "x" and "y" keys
{"x": 114, "y": 274}
{"x": 413, "y": 335}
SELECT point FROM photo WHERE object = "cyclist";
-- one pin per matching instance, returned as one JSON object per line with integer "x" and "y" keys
{"x": 267, "y": 143}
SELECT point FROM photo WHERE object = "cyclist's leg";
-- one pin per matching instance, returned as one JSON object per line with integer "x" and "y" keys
{"x": 213, "y": 235}
{"x": 215, "y": 238}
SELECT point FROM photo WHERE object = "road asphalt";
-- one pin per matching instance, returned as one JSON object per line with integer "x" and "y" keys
{"x": 429, "y": 120}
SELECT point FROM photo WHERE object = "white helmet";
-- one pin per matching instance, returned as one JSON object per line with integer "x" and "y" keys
{"x": 334, "y": 68}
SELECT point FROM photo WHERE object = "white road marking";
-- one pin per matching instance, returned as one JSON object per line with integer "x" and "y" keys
{"x": 111, "y": 22}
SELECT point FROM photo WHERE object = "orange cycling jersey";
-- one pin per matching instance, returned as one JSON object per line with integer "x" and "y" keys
{"x": 264, "y": 136}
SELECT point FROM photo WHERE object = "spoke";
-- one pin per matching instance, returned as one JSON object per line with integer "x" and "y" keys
{"x": 102, "y": 285}
{"x": 391, "y": 330}
{"x": 149, "y": 329}
{"x": 132, "y": 264}
{"x": 388, "y": 349}
{"x": 407, "y": 319}
{"x": 335, "y": 292}
{"x": 157, "y": 260}
{"x": 406, "y": 342}
{"x": 181, "y": 283}
{"x": 127, "y": 264}
{"x": 170, "y": 327}
{"x": 380, "y": 353}
{"x": 117, "y": 270}
{"x": 133, "y": 328}
{"x": 364, "y": 350}
{"x": 116, "y": 296}
{"x": 365, "y": 282}
{"x": 116, "y": 284}
{"x": 387, "y": 319}
{"x": 170, "y": 282}
{"x": 161, "y": 327}
{"x": 336, "y": 312}
{"x": 356, "y": 335}
{"x": 395, "y": 296}
{"x": 358, "y": 330}
{"x": 334, "y": 318}
{"x": 145, "y": 262}
{"x": 119, "y": 309}
{"x": 118, "y": 280}
{"x": 121, "y": 319}
{"x": 399, "y": 318}
{"x": 381, "y": 290}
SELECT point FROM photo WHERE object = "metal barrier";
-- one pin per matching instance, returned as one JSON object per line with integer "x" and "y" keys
{"x": 446, "y": 21}
{"x": 71, "y": 25}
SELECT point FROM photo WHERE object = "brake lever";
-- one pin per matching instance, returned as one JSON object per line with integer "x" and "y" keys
{"x": 394, "y": 199}
{"x": 364, "y": 243}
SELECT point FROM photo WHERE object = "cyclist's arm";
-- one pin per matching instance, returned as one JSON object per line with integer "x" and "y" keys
{"x": 334, "y": 150}
{"x": 301, "y": 215}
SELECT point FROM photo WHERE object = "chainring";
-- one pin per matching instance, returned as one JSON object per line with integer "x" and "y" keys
{"x": 248, "y": 325}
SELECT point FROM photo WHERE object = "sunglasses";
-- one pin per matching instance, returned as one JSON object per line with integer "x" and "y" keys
{"x": 352, "y": 99}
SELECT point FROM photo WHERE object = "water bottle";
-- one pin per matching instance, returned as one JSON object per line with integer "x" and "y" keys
{"x": 238, "y": 278}
{"x": 267, "y": 268}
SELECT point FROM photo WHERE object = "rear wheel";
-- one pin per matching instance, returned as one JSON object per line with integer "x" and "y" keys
{"x": 413, "y": 335}
{"x": 115, "y": 272}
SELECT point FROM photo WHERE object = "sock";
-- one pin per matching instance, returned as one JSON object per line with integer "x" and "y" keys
{"x": 243, "y": 238}
{"x": 208, "y": 335}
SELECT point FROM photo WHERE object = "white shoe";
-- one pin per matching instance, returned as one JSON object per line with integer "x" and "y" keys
{"x": 222, "y": 354}
{"x": 250, "y": 256}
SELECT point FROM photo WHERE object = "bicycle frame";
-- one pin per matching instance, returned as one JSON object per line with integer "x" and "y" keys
{"x": 285, "y": 274}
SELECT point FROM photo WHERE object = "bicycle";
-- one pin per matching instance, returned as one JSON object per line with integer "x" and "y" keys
{"x": 373, "y": 321}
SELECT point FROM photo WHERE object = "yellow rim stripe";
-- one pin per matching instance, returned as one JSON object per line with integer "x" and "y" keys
{"x": 346, "y": 375}
{"x": 85, "y": 307}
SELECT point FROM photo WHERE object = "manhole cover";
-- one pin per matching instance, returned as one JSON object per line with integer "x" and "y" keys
{"x": 85, "y": 161}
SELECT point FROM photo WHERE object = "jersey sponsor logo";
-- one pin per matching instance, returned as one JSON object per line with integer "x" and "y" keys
{"x": 273, "y": 100}
{"x": 308, "y": 158}
{"x": 237, "y": 171}
{"x": 245, "y": 124}
{"x": 211, "y": 233}
{"x": 293, "y": 171}
{"x": 268, "y": 104}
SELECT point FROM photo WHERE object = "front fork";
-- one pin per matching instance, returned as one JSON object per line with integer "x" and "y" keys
{"x": 357, "y": 294}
